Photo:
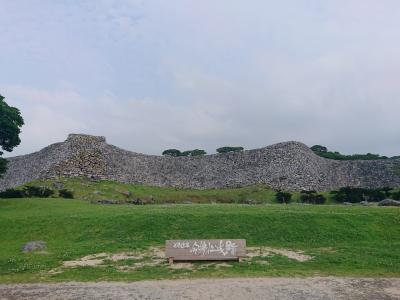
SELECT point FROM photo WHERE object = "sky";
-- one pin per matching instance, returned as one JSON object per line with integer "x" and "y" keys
{"x": 154, "y": 74}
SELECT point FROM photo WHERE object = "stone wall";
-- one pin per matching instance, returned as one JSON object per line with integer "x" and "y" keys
{"x": 289, "y": 166}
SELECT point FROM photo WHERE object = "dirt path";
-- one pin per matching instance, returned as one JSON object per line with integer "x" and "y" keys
{"x": 232, "y": 289}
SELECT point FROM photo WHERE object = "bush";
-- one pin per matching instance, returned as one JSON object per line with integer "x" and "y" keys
{"x": 12, "y": 193}
{"x": 386, "y": 190}
{"x": 38, "y": 191}
{"x": 356, "y": 195}
{"x": 227, "y": 149}
{"x": 66, "y": 194}
{"x": 395, "y": 195}
{"x": 172, "y": 152}
{"x": 28, "y": 192}
{"x": 312, "y": 197}
{"x": 283, "y": 197}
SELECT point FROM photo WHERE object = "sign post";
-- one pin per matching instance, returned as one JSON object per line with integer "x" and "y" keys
{"x": 188, "y": 250}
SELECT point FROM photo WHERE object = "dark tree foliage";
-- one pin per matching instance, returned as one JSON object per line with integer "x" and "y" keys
{"x": 283, "y": 197}
{"x": 395, "y": 195}
{"x": 176, "y": 152}
{"x": 229, "y": 149}
{"x": 386, "y": 191}
{"x": 12, "y": 193}
{"x": 10, "y": 128}
{"x": 38, "y": 191}
{"x": 312, "y": 197}
{"x": 319, "y": 148}
{"x": 66, "y": 194}
{"x": 172, "y": 152}
{"x": 186, "y": 153}
{"x": 197, "y": 152}
{"x": 356, "y": 195}
{"x": 28, "y": 192}
{"x": 323, "y": 152}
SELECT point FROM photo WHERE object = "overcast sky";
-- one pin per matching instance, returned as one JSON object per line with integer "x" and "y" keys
{"x": 156, "y": 74}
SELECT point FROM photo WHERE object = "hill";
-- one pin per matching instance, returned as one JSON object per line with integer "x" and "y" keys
{"x": 288, "y": 166}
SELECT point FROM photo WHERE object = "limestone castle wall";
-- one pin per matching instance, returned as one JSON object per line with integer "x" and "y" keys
{"x": 288, "y": 166}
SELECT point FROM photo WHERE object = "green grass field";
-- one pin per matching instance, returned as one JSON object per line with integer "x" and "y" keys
{"x": 93, "y": 190}
{"x": 345, "y": 241}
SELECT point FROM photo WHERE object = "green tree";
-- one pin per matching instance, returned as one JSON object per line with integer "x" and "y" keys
{"x": 10, "y": 127}
{"x": 229, "y": 149}
{"x": 197, "y": 152}
{"x": 283, "y": 197}
{"x": 172, "y": 152}
{"x": 319, "y": 148}
{"x": 186, "y": 153}
{"x": 312, "y": 197}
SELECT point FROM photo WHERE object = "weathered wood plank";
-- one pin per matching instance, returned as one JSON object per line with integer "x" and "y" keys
{"x": 205, "y": 249}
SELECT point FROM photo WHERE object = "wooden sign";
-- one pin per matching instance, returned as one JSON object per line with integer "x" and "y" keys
{"x": 185, "y": 250}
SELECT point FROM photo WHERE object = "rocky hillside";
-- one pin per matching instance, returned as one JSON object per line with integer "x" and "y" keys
{"x": 289, "y": 166}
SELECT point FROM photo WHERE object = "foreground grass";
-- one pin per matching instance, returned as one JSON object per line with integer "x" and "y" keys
{"x": 351, "y": 241}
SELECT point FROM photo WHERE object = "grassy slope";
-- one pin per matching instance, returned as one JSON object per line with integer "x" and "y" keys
{"x": 357, "y": 241}
{"x": 96, "y": 190}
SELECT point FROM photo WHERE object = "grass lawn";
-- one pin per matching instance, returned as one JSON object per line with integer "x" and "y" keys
{"x": 343, "y": 241}
{"x": 94, "y": 190}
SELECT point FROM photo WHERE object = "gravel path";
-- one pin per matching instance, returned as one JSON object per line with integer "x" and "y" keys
{"x": 232, "y": 289}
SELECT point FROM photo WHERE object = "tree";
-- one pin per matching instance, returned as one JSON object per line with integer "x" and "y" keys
{"x": 11, "y": 122}
{"x": 176, "y": 152}
{"x": 197, "y": 152}
{"x": 319, "y": 148}
{"x": 312, "y": 197}
{"x": 172, "y": 152}
{"x": 283, "y": 197}
{"x": 229, "y": 149}
{"x": 186, "y": 153}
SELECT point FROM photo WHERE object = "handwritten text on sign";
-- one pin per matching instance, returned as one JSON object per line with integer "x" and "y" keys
{"x": 205, "y": 249}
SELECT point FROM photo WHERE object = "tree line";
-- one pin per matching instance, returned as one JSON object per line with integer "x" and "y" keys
{"x": 323, "y": 152}
{"x": 199, "y": 152}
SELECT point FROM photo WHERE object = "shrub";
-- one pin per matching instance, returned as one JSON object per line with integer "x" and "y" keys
{"x": 172, "y": 152}
{"x": 386, "y": 190}
{"x": 356, "y": 195}
{"x": 395, "y": 195}
{"x": 66, "y": 194}
{"x": 283, "y": 197}
{"x": 229, "y": 149}
{"x": 12, "y": 193}
{"x": 38, "y": 191}
{"x": 312, "y": 197}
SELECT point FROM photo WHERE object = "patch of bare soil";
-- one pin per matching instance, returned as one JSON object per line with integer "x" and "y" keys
{"x": 316, "y": 288}
{"x": 154, "y": 257}
{"x": 182, "y": 266}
